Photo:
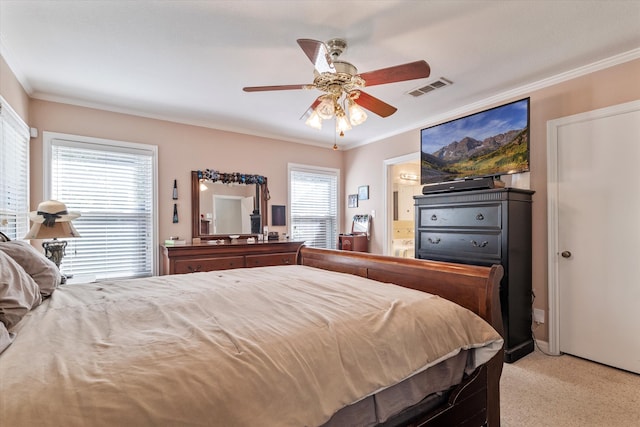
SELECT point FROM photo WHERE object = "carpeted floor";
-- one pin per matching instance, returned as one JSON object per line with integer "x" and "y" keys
{"x": 540, "y": 390}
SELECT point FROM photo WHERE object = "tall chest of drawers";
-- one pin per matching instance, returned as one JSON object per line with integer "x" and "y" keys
{"x": 485, "y": 227}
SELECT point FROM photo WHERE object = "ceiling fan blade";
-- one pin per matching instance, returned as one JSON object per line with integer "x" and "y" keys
{"x": 318, "y": 53}
{"x": 375, "y": 105}
{"x": 280, "y": 87}
{"x": 399, "y": 73}
{"x": 311, "y": 108}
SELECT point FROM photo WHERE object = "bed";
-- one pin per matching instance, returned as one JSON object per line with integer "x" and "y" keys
{"x": 327, "y": 342}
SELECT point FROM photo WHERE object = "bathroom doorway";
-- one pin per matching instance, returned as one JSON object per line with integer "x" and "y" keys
{"x": 403, "y": 182}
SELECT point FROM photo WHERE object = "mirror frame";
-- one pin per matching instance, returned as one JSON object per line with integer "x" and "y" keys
{"x": 195, "y": 209}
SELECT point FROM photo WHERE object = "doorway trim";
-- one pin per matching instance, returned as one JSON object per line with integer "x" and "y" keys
{"x": 388, "y": 195}
{"x": 553, "y": 249}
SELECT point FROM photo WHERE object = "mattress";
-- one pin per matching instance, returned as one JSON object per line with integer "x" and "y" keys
{"x": 433, "y": 383}
{"x": 286, "y": 345}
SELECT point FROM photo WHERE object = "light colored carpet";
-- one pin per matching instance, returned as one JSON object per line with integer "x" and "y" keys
{"x": 540, "y": 390}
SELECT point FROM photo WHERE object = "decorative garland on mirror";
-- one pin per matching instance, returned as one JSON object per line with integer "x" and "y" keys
{"x": 227, "y": 178}
{"x": 235, "y": 178}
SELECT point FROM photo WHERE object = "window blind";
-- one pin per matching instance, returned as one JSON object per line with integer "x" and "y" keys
{"x": 314, "y": 206}
{"x": 112, "y": 188}
{"x": 14, "y": 173}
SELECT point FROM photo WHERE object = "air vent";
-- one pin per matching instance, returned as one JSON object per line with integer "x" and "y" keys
{"x": 441, "y": 82}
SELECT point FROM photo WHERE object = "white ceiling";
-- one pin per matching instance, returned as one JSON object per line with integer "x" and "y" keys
{"x": 187, "y": 61}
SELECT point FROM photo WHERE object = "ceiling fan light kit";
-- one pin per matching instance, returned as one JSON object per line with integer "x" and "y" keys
{"x": 314, "y": 120}
{"x": 357, "y": 115}
{"x": 342, "y": 123}
{"x": 327, "y": 107}
{"x": 343, "y": 86}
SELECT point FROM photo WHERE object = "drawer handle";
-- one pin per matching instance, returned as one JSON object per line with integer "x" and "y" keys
{"x": 479, "y": 217}
{"x": 434, "y": 241}
{"x": 285, "y": 261}
{"x": 481, "y": 245}
{"x": 194, "y": 270}
{"x": 434, "y": 217}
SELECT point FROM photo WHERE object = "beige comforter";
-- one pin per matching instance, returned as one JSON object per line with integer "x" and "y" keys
{"x": 273, "y": 346}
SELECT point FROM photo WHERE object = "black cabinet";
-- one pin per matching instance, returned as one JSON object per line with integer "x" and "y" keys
{"x": 485, "y": 227}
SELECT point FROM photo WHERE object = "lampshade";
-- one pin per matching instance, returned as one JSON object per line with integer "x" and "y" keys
{"x": 59, "y": 230}
{"x": 326, "y": 108}
{"x": 52, "y": 221}
{"x": 357, "y": 115}
{"x": 314, "y": 120}
{"x": 342, "y": 123}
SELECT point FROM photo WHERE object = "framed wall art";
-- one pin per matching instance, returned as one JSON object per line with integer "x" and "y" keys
{"x": 353, "y": 200}
{"x": 363, "y": 192}
{"x": 278, "y": 215}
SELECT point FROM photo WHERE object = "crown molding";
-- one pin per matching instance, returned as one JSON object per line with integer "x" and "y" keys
{"x": 524, "y": 90}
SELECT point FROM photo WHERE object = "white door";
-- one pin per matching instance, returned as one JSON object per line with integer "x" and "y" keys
{"x": 227, "y": 215}
{"x": 598, "y": 237}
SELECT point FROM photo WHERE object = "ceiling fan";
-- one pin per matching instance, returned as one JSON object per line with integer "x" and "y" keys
{"x": 342, "y": 85}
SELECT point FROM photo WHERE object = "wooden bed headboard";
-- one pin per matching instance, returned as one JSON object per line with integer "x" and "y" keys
{"x": 473, "y": 287}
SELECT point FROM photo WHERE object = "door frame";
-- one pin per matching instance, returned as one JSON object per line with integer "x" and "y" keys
{"x": 552, "y": 207}
{"x": 388, "y": 196}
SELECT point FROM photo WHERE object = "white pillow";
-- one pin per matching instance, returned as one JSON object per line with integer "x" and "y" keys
{"x": 44, "y": 272}
{"x": 19, "y": 293}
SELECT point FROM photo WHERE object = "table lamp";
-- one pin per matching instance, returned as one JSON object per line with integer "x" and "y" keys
{"x": 52, "y": 221}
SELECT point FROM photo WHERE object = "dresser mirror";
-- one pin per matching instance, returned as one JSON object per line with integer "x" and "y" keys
{"x": 224, "y": 204}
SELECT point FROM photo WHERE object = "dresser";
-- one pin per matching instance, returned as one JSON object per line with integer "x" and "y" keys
{"x": 223, "y": 256}
{"x": 358, "y": 239}
{"x": 485, "y": 227}
{"x": 353, "y": 242}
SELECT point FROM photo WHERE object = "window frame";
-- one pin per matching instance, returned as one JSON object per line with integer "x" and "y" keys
{"x": 20, "y": 214}
{"x": 113, "y": 145}
{"x": 295, "y": 167}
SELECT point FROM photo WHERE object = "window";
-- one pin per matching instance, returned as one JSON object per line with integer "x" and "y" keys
{"x": 14, "y": 173}
{"x": 313, "y": 201}
{"x": 112, "y": 185}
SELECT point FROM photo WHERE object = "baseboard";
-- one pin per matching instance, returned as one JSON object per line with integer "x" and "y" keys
{"x": 542, "y": 346}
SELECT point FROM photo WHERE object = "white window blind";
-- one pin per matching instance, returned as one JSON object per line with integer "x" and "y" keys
{"x": 14, "y": 173}
{"x": 112, "y": 187}
{"x": 313, "y": 194}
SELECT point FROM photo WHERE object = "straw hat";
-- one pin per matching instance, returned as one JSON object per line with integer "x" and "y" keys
{"x": 50, "y": 212}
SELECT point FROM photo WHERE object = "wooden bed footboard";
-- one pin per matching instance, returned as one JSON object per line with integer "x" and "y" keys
{"x": 473, "y": 287}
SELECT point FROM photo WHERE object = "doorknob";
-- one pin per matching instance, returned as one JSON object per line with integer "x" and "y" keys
{"x": 566, "y": 254}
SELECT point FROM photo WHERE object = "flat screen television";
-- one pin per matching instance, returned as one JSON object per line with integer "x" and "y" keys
{"x": 490, "y": 143}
